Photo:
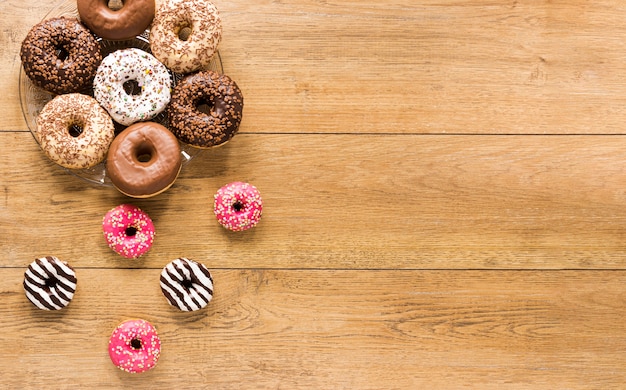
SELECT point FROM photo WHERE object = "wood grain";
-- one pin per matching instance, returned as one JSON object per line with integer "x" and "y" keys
{"x": 448, "y": 202}
{"x": 443, "y": 187}
{"x": 486, "y": 67}
{"x": 331, "y": 330}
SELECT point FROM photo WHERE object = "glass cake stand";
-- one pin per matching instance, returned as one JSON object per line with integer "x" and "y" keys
{"x": 33, "y": 99}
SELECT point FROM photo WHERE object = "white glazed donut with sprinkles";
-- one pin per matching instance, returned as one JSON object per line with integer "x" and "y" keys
{"x": 186, "y": 284}
{"x": 126, "y": 67}
{"x": 238, "y": 206}
{"x": 49, "y": 283}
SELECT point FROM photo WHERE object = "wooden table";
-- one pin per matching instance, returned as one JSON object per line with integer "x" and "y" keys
{"x": 445, "y": 207}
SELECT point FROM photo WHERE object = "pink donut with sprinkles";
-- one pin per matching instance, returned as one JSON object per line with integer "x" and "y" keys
{"x": 128, "y": 231}
{"x": 238, "y": 206}
{"x": 135, "y": 346}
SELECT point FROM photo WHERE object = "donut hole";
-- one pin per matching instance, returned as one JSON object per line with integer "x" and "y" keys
{"x": 130, "y": 231}
{"x": 115, "y": 5}
{"x": 135, "y": 343}
{"x": 144, "y": 154}
{"x": 62, "y": 53}
{"x": 204, "y": 107}
{"x": 238, "y": 206}
{"x": 184, "y": 32}
{"x": 75, "y": 129}
{"x": 144, "y": 158}
{"x": 51, "y": 282}
{"x": 132, "y": 87}
{"x": 188, "y": 284}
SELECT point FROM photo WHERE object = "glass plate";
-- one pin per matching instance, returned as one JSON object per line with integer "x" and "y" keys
{"x": 32, "y": 98}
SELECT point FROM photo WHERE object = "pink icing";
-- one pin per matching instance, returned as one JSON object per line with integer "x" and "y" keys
{"x": 128, "y": 231}
{"x": 238, "y": 206}
{"x": 135, "y": 346}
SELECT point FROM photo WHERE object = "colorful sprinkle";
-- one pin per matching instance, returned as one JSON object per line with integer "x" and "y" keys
{"x": 135, "y": 346}
{"x": 126, "y": 65}
{"x": 238, "y": 206}
{"x": 128, "y": 231}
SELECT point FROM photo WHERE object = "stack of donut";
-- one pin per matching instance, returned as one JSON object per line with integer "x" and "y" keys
{"x": 130, "y": 87}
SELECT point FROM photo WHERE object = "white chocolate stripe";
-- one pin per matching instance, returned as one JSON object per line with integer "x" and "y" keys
{"x": 182, "y": 293}
{"x": 49, "y": 283}
{"x": 186, "y": 284}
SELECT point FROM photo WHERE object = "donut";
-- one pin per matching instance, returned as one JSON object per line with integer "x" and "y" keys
{"x": 123, "y": 68}
{"x": 130, "y": 20}
{"x": 185, "y": 34}
{"x": 238, "y": 206}
{"x": 186, "y": 284}
{"x": 134, "y": 346}
{"x": 128, "y": 231}
{"x": 144, "y": 160}
{"x": 49, "y": 283}
{"x": 60, "y": 55}
{"x": 74, "y": 131}
{"x": 200, "y": 129}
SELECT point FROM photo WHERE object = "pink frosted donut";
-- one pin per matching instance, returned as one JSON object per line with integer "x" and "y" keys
{"x": 128, "y": 231}
{"x": 238, "y": 206}
{"x": 135, "y": 346}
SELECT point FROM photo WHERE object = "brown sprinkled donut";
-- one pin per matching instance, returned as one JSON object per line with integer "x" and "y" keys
{"x": 193, "y": 126}
{"x": 185, "y": 34}
{"x": 60, "y": 55}
{"x": 144, "y": 160}
{"x": 74, "y": 131}
{"x": 125, "y": 23}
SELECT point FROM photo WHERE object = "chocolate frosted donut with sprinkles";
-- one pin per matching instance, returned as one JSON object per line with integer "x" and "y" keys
{"x": 60, "y": 55}
{"x": 206, "y": 109}
{"x": 49, "y": 283}
{"x": 186, "y": 284}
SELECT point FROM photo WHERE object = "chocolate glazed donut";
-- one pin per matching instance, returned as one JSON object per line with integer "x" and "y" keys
{"x": 125, "y": 23}
{"x": 144, "y": 160}
{"x": 196, "y": 127}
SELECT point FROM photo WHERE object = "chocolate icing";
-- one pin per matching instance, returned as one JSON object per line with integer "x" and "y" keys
{"x": 144, "y": 160}
{"x": 60, "y": 55}
{"x": 127, "y": 22}
{"x": 49, "y": 283}
{"x": 186, "y": 284}
{"x": 200, "y": 129}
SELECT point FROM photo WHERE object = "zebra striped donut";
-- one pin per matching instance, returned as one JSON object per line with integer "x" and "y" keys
{"x": 49, "y": 283}
{"x": 187, "y": 284}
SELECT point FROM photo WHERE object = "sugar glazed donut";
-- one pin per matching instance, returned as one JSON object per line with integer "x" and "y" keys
{"x": 186, "y": 284}
{"x": 170, "y": 43}
{"x": 201, "y": 129}
{"x": 122, "y": 68}
{"x": 127, "y": 22}
{"x": 60, "y": 55}
{"x": 49, "y": 283}
{"x": 135, "y": 346}
{"x": 238, "y": 206}
{"x": 144, "y": 160}
{"x": 128, "y": 231}
{"x": 74, "y": 131}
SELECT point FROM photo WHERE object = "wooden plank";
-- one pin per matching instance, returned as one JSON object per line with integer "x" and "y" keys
{"x": 427, "y": 67}
{"x": 332, "y": 329}
{"x": 346, "y": 201}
